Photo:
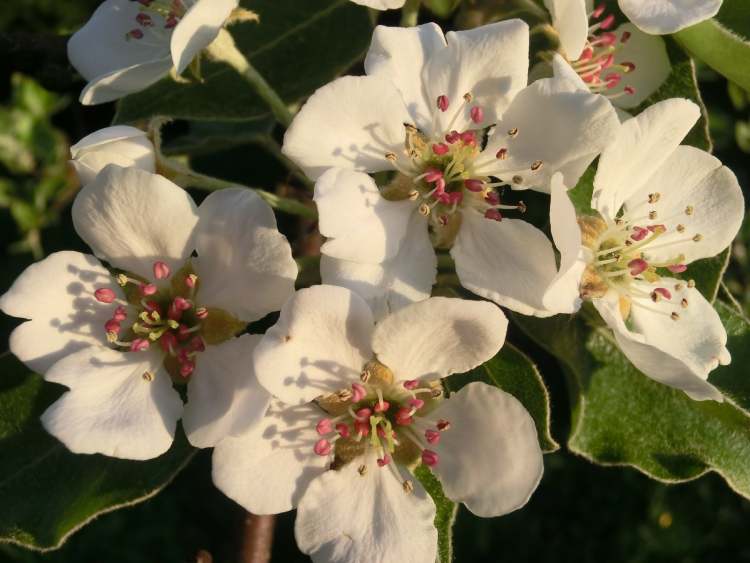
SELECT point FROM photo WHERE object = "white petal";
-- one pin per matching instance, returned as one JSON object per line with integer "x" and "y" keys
{"x": 319, "y": 344}
{"x": 57, "y": 294}
{"x": 101, "y": 46}
{"x": 267, "y": 468}
{"x": 111, "y": 408}
{"x": 571, "y": 21}
{"x": 691, "y": 177}
{"x": 346, "y": 517}
{"x": 350, "y": 123}
{"x": 659, "y": 17}
{"x": 198, "y": 27}
{"x": 406, "y": 278}
{"x": 121, "y": 145}
{"x": 510, "y": 262}
{"x": 639, "y": 149}
{"x": 562, "y": 296}
{"x": 438, "y": 337}
{"x": 489, "y": 458}
{"x": 244, "y": 264}
{"x": 224, "y": 396}
{"x": 131, "y": 218}
{"x": 548, "y": 114}
{"x": 121, "y": 82}
{"x": 561, "y": 69}
{"x": 381, "y": 4}
{"x": 490, "y": 62}
{"x": 676, "y": 353}
{"x": 400, "y": 55}
{"x": 652, "y": 66}
{"x": 359, "y": 223}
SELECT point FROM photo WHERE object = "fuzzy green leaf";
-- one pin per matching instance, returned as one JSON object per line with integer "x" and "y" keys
{"x": 445, "y": 514}
{"x": 297, "y": 47}
{"x": 513, "y": 371}
{"x": 720, "y": 48}
{"x": 622, "y": 417}
{"x": 49, "y": 493}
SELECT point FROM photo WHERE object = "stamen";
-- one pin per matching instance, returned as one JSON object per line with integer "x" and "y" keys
{"x": 322, "y": 447}
{"x": 443, "y": 102}
{"x": 477, "y": 114}
{"x": 104, "y": 295}
{"x": 140, "y": 345}
{"x": 161, "y": 270}
{"x": 358, "y": 392}
{"x": 430, "y": 458}
{"x": 432, "y": 436}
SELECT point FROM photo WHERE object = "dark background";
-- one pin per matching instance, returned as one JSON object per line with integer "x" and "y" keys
{"x": 580, "y": 513}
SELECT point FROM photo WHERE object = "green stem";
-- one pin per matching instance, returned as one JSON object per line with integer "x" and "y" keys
{"x": 273, "y": 147}
{"x": 225, "y": 50}
{"x": 283, "y": 204}
{"x": 410, "y": 13}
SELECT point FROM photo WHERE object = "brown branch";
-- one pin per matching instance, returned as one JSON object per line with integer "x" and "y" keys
{"x": 257, "y": 538}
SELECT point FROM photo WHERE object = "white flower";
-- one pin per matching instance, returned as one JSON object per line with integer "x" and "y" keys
{"x": 127, "y": 45}
{"x": 452, "y": 118}
{"x": 119, "y": 337}
{"x": 381, "y": 4}
{"x": 661, "y": 206}
{"x": 625, "y": 64}
{"x": 121, "y": 145}
{"x": 364, "y": 401}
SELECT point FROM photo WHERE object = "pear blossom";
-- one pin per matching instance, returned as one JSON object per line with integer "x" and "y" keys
{"x": 359, "y": 407}
{"x": 624, "y": 64}
{"x": 121, "y": 145}
{"x": 119, "y": 336}
{"x": 128, "y": 45}
{"x": 452, "y": 120}
{"x": 657, "y": 206}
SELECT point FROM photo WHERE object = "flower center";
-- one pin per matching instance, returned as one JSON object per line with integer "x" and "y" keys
{"x": 393, "y": 418}
{"x": 157, "y": 18}
{"x": 621, "y": 253}
{"x": 596, "y": 65}
{"x": 165, "y": 311}
{"x": 443, "y": 172}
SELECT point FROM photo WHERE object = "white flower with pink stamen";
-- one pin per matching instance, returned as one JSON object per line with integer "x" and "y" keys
{"x": 128, "y": 45}
{"x": 120, "y": 336}
{"x": 450, "y": 118}
{"x": 362, "y": 408}
{"x": 661, "y": 206}
{"x": 624, "y": 64}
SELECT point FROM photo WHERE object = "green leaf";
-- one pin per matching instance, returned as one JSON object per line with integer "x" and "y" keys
{"x": 49, "y": 493}
{"x": 719, "y": 48}
{"x": 205, "y": 137}
{"x": 735, "y": 15}
{"x": 297, "y": 47}
{"x": 445, "y": 514}
{"x": 622, "y": 417}
{"x": 513, "y": 371}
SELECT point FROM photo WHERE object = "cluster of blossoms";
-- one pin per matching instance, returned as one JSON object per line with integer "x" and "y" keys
{"x": 334, "y": 409}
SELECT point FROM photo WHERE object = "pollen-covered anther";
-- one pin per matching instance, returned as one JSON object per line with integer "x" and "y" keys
{"x": 697, "y": 237}
{"x": 654, "y": 197}
{"x": 652, "y": 214}
{"x": 513, "y": 132}
{"x": 502, "y": 154}
{"x": 408, "y": 486}
{"x": 430, "y": 458}
{"x": 391, "y": 156}
{"x": 536, "y": 165}
{"x": 689, "y": 210}
{"x": 201, "y": 313}
{"x": 468, "y": 97}
{"x": 675, "y": 316}
{"x": 518, "y": 180}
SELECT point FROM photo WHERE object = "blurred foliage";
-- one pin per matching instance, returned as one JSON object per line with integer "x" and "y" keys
{"x": 35, "y": 182}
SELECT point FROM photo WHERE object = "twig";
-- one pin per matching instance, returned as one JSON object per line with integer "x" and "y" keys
{"x": 257, "y": 538}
